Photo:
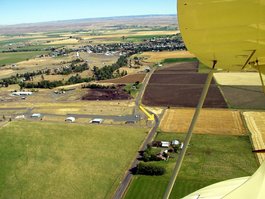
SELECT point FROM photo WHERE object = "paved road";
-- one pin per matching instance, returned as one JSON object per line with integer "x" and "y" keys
{"x": 141, "y": 92}
{"x": 28, "y": 112}
{"x": 128, "y": 175}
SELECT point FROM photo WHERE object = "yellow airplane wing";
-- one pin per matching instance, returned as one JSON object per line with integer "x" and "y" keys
{"x": 229, "y": 31}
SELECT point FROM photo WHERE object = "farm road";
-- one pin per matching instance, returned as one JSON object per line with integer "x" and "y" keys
{"x": 128, "y": 175}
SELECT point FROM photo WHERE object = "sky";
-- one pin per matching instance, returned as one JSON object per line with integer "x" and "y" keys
{"x": 30, "y": 11}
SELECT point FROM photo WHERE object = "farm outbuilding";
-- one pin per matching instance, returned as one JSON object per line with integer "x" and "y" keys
{"x": 175, "y": 143}
{"x": 96, "y": 121}
{"x": 70, "y": 119}
{"x": 36, "y": 115}
{"x": 165, "y": 144}
{"x": 21, "y": 93}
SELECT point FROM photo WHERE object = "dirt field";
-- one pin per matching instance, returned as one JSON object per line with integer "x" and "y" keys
{"x": 211, "y": 121}
{"x": 179, "y": 67}
{"x": 107, "y": 94}
{"x": 239, "y": 79}
{"x": 256, "y": 125}
{"x": 178, "y": 78}
{"x": 180, "y": 89}
{"x": 126, "y": 79}
{"x": 244, "y": 97}
{"x": 160, "y": 56}
{"x": 182, "y": 96}
{"x": 98, "y": 60}
{"x": 5, "y": 72}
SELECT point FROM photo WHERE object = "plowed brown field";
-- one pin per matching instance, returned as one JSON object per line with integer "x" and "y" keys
{"x": 181, "y": 86}
{"x": 256, "y": 125}
{"x": 126, "y": 79}
{"x": 210, "y": 121}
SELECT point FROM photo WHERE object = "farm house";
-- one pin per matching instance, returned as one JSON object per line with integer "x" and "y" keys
{"x": 70, "y": 119}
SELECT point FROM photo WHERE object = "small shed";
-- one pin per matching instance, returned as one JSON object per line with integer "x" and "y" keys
{"x": 165, "y": 144}
{"x": 20, "y": 117}
{"x": 70, "y": 119}
{"x": 36, "y": 115}
{"x": 175, "y": 143}
{"x": 21, "y": 93}
{"x": 96, "y": 121}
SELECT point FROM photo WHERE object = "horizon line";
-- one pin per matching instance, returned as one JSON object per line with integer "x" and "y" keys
{"x": 89, "y": 18}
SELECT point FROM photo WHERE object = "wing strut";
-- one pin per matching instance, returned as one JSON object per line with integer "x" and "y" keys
{"x": 261, "y": 78}
{"x": 189, "y": 133}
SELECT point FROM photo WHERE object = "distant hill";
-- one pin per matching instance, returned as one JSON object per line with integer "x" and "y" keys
{"x": 91, "y": 23}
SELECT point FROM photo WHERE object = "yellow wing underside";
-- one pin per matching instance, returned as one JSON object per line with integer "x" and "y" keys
{"x": 229, "y": 31}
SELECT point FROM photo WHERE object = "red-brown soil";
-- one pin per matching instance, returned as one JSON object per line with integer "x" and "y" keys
{"x": 179, "y": 67}
{"x": 178, "y": 88}
{"x": 106, "y": 94}
{"x": 126, "y": 79}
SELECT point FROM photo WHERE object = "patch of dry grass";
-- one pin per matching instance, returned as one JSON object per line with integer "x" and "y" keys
{"x": 238, "y": 79}
{"x": 210, "y": 121}
{"x": 256, "y": 125}
{"x": 160, "y": 56}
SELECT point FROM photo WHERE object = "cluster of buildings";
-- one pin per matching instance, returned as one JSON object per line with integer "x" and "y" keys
{"x": 154, "y": 44}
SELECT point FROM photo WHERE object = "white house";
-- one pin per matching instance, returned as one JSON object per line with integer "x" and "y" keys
{"x": 70, "y": 119}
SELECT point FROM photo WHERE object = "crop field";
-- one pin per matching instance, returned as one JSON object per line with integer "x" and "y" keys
{"x": 10, "y": 58}
{"x": 181, "y": 89}
{"x": 244, "y": 97}
{"x": 160, "y": 56}
{"x": 210, "y": 121}
{"x": 52, "y": 160}
{"x": 238, "y": 79}
{"x": 209, "y": 159}
{"x": 63, "y": 41}
{"x": 256, "y": 126}
{"x": 126, "y": 79}
{"x": 173, "y": 68}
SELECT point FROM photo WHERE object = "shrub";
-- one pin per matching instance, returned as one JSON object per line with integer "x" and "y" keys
{"x": 149, "y": 169}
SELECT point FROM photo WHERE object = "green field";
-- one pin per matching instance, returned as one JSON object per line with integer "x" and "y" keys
{"x": 52, "y": 160}
{"x": 14, "y": 57}
{"x": 209, "y": 159}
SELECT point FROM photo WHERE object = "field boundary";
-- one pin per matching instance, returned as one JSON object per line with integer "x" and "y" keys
{"x": 256, "y": 136}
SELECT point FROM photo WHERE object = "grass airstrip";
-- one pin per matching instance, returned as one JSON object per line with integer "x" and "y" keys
{"x": 53, "y": 160}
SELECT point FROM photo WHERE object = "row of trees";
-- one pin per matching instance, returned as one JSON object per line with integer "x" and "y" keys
{"x": 76, "y": 79}
{"x": 73, "y": 68}
{"x": 107, "y": 72}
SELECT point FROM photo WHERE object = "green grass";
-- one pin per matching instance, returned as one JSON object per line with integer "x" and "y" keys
{"x": 57, "y": 160}
{"x": 209, "y": 159}
{"x": 133, "y": 92}
{"x": 174, "y": 60}
{"x": 14, "y": 57}
{"x": 14, "y": 41}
